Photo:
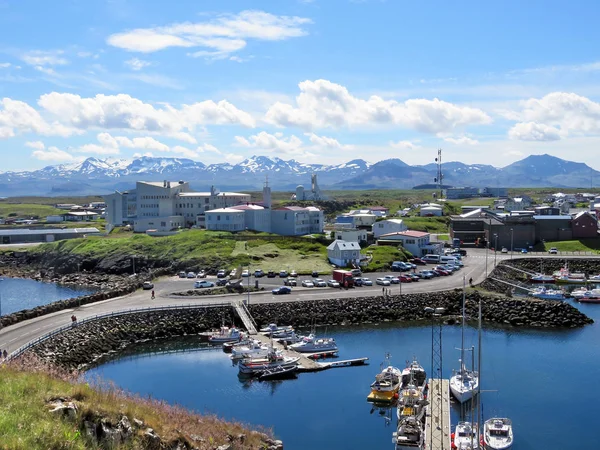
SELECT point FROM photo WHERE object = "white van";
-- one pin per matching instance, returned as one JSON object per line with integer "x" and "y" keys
{"x": 448, "y": 260}
{"x": 431, "y": 258}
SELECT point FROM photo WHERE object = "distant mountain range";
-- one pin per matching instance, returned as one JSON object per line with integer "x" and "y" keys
{"x": 100, "y": 176}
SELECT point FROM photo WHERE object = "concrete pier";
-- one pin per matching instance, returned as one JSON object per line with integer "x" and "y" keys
{"x": 437, "y": 420}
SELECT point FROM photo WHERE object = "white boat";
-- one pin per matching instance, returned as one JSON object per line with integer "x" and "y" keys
{"x": 541, "y": 278}
{"x": 548, "y": 294}
{"x": 226, "y": 334}
{"x": 386, "y": 385}
{"x": 312, "y": 344}
{"x": 589, "y": 297}
{"x": 497, "y": 434}
{"x": 594, "y": 278}
{"x": 464, "y": 383}
{"x": 583, "y": 292}
{"x": 292, "y": 338}
{"x": 465, "y": 437}
{"x": 253, "y": 349}
{"x": 274, "y": 328}
{"x": 256, "y": 366}
{"x": 409, "y": 434}
{"x": 415, "y": 374}
{"x": 567, "y": 277}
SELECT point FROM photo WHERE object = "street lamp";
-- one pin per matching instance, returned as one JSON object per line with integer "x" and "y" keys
{"x": 511, "y": 242}
{"x": 133, "y": 263}
{"x": 495, "y": 247}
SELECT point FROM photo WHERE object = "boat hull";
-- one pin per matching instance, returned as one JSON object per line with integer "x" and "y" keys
{"x": 588, "y": 300}
{"x": 382, "y": 396}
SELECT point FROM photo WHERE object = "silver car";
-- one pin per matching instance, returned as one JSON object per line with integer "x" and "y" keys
{"x": 382, "y": 281}
{"x": 366, "y": 282}
{"x": 318, "y": 282}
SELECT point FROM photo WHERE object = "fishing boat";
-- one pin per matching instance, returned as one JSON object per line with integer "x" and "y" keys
{"x": 497, "y": 434}
{"x": 387, "y": 383}
{"x": 290, "y": 338}
{"x": 594, "y": 279}
{"x": 279, "y": 373}
{"x": 464, "y": 382}
{"x": 409, "y": 434}
{"x": 256, "y": 366}
{"x": 589, "y": 297}
{"x": 274, "y": 328}
{"x": 414, "y": 373}
{"x": 252, "y": 349}
{"x": 565, "y": 276}
{"x": 548, "y": 294}
{"x": 465, "y": 436}
{"x": 582, "y": 292}
{"x": 541, "y": 278}
{"x": 226, "y": 334}
{"x": 312, "y": 344}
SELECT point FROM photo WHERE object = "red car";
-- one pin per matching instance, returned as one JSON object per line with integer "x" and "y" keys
{"x": 441, "y": 272}
{"x": 405, "y": 279}
{"x": 418, "y": 262}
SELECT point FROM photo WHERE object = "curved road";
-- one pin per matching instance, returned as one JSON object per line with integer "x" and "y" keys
{"x": 15, "y": 336}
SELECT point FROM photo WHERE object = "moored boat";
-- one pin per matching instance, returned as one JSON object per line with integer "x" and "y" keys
{"x": 565, "y": 276}
{"x": 279, "y": 372}
{"x": 226, "y": 334}
{"x": 497, "y": 434}
{"x": 465, "y": 437}
{"x": 311, "y": 344}
{"x": 589, "y": 297}
{"x": 253, "y": 349}
{"x": 415, "y": 374}
{"x": 386, "y": 385}
{"x": 548, "y": 294}
{"x": 274, "y": 328}
{"x": 541, "y": 278}
{"x": 409, "y": 434}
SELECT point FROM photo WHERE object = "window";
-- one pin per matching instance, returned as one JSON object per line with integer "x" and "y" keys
{"x": 218, "y": 217}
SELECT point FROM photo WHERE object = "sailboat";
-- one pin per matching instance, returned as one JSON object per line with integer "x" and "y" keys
{"x": 466, "y": 435}
{"x": 463, "y": 383}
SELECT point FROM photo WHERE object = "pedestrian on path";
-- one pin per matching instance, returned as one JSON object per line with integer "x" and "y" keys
{"x": 5, "y": 354}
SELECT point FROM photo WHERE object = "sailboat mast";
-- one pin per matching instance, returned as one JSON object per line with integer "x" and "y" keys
{"x": 479, "y": 408}
{"x": 462, "y": 332}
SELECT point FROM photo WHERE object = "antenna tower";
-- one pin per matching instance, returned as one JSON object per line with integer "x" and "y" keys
{"x": 438, "y": 178}
{"x": 436, "y": 439}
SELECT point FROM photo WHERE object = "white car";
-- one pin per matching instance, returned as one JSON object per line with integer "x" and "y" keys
{"x": 233, "y": 273}
{"x": 382, "y": 281}
{"x": 245, "y": 273}
{"x": 367, "y": 282}
{"x": 504, "y": 250}
{"x": 307, "y": 283}
{"x": 191, "y": 275}
{"x": 333, "y": 284}
{"x": 392, "y": 279}
{"x": 318, "y": 282}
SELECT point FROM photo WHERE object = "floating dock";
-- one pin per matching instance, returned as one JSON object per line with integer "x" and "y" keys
{"x": 437, "y": 419}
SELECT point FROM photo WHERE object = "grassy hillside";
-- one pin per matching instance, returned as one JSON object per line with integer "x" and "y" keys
{"x": 26, "y": 424}
{"x": 27, "y": 210}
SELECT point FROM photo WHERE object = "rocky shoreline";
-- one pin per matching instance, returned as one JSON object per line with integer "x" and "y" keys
{"x": 92, "y": 342}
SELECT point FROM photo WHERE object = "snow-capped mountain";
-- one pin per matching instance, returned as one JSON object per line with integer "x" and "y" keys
{"x": 98, "y": 176}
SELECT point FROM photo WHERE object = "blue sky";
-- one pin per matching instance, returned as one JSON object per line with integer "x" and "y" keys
{"x": 316, "y": 81}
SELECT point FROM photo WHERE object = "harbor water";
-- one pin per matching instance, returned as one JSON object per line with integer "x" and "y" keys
{"x": 17, "y": 294}
{"x": 545, "y": 381}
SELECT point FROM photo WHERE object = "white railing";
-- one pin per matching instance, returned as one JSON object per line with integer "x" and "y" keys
{"x": 62, "y": 329}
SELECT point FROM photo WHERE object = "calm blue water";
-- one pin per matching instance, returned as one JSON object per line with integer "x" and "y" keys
{"x": 546, "y": 382}
{"x": 17, "y": 294}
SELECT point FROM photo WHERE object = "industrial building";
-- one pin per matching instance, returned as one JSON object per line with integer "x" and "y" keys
{"x": 26, "y": 235}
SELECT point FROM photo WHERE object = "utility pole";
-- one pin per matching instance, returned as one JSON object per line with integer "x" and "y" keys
{"x": 438, "y": 178}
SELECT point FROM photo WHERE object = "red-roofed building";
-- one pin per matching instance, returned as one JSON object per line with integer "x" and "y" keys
{"x": 416, "y": 242}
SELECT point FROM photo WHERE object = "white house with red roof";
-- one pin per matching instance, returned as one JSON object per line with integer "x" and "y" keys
{"x": 416, "y": 242}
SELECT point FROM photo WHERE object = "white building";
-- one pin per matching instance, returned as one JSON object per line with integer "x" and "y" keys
{"x": 416, "y": 242}
{"x": 350, "y": 235}
{"x": 343, "y": 253}
{"x": 388, "y": 226}
{"x": 297, "y": 221}
{"x": 225, "y": 219}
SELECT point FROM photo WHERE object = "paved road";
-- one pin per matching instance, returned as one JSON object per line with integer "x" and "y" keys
{"x": 20, "y": 334}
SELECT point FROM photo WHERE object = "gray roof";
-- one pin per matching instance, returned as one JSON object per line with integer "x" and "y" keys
{"x": 344, "y": 245}
{"x": 27, "y": 231}
{"x": 551, "y": 217}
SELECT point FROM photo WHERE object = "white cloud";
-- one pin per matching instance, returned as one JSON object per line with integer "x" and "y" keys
{"x": 38, "y": 145}
{"x": 128, "y": 113}
{"x": 208, "y": 148}
{"x": 19, "y": 116}
{"x": 323, "y": 104}
{"x": 403, "y": 145}
{"x": 147, "y": 143}
{"x": 98, "y": 149}
{"x": 44, "y": 58}
{"x": 233, "y": 158}
{"x": 6, "y": 132}
{"x": 52, "y": 154}
{"x": 137, "y": 64}
{"x": 272, "y": 143}
{"x": 5, "y": 65}
{"x": 327, "y": 142}
{"x": 462, "y": 140}
{"x": 218, "y": 37}
{"x": 188, "y": 153}
{"x": 531, "y": 131}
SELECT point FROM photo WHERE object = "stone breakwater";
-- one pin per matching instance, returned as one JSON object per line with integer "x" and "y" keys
{"x": 363, "y": 310}
{"x": 91, "y": 342}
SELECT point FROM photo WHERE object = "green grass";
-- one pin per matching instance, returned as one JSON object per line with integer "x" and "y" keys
{"x": 384, "y": 256}
{"x": 25, "y": 423}
{"x": 584, "y": 245}
{"x": 27, "y": 210}
{"x": 428, "y": 224}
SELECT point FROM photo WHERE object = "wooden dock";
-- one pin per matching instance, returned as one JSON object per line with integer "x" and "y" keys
{"x": 437, "y": 421}
{"x": 305, "y": 364}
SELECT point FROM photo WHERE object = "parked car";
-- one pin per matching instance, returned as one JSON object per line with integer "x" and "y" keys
{"x": 358, "y": 281}
{"x": 307, "y": 283}
{"x": 400, "y": 266}
{"x": 425, "y": 274}
{"x": 258, "y": 273}
{"x": 441, "y": 272}
{"x": 392, "y": 279}
{"x": 233, "y": 273}
{"x": 204, "y": 284}
{"x": 366, "y": 282}
{"x": 319, "y": 282}
{"x": 333, "y": 284}
{"x": 405, "y": 278}
{"x": 382, "y": 281}
{"x": 293, "y": 273}
{"x": 283, "y": 274}
{"x": 315, "y": 274}
{"x": 504, "y": 250}
{"x": 182, "y": 274}
{"x": 245, "y": 273}
{"x": 523, "y": 250}
{"x": 271, "y": 274}
{"x": 282, "y": 290}
{"x": 290, "y": 282}
{"x": 201, "y": 274}
{"x": 148, "y": 285}
{"x": 418, "y": 261}
{"x": 553, "y": 251}
{"x": 191, "y": 275}
{"x": 414, "y": 276}
{"x": 221, "y": 273}
{"x": 222, "y": 281}
{"x": 356, "y": 272}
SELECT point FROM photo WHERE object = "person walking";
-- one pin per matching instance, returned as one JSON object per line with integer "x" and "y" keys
{"x": 73, "y": 320}
{"x": 152, "y": 294}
